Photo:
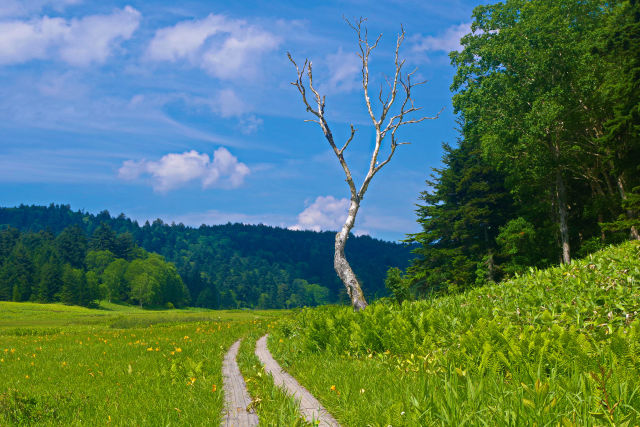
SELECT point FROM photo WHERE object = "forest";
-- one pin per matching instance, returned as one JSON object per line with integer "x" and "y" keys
{"x": 223, "y": 266}
{"x": 72, "y": 269}
{"x": 546, "y": 167}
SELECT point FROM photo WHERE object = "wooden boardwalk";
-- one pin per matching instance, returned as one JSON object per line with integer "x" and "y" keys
{"x": 235, "y": 393}
{"x": 309, "y": 405}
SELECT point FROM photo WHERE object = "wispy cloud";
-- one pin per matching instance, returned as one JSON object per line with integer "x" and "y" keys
{"x": 344, "y": 72}
{"x": 78, "y": 42}
{"x": 15, "y": 8}
{"x": 225, "y": 48}
{"x": 446, "y": 41}
{"x": 175, "y": 170}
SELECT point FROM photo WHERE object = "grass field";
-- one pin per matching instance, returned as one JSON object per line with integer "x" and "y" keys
{"x": 553, "y": 347}
{"x": 115, "y": 365}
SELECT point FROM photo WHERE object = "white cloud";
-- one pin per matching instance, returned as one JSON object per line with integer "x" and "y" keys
{"x": 250, "y": 124}
{"x": 77, "y": 42}
{"x": 175, "y": 170}
{"x": 345, "y": 72}
{"x": 26, "y": 7}
{"x": 92, "y": 38}
{"x": 228, "y": 104}
{"x": 325, "y": 213}
{"x": 224, "y": 47}
{"x": 447, "y": 41}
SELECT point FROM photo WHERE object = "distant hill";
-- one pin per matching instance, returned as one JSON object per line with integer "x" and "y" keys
{"x": 236, "y": 265}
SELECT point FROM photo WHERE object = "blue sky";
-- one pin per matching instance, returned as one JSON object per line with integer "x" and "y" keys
{"x": 184, "y": 110}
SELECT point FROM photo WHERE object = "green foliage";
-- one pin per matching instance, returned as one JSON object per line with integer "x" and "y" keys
{"x": 549, "y": 110}
{"x": 466, "y": 204}
{"x": 223, "y": 266}
{"x": 39, "y": 267}
{"x": 398, "y": 286}
{"x": 545, "y": 346}
{"x": 517, "y": 242}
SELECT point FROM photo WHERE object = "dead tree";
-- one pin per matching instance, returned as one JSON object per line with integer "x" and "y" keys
{"x": 395, "y": 110}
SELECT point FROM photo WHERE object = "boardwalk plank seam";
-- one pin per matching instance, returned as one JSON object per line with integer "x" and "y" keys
{"x": 235, "y": 393}
{"x": 310, "y": 407}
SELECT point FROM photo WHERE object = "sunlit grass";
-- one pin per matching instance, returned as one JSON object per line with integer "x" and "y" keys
{"x": 554, "y": 347}
{"x": 63, "y": 365}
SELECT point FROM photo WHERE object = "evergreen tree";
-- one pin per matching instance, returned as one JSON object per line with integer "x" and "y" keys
{"x": 71, "y": 245}
{"x": 460, "y": 219}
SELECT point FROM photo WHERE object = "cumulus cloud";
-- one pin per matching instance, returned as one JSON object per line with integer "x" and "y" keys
{"x": 345, "y": 72}
{"x": 175, "y": 170}
{"x": 80, "y": 42}
{"x": 325, "y": 213}
{"x": 447, "y": 41}
{"x": 224, "y": 47}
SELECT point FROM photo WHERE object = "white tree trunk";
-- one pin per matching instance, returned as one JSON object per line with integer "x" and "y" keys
{"x": 634, "y": 231}
{"x": 561, "y": 198}
{"x": 383, "y": 124}
{"x": 341, "y": 264}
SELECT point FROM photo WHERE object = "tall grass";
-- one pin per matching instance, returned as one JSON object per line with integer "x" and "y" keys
{"x": 556, "y": 346}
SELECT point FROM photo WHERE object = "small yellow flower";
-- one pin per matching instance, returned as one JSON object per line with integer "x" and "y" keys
{"x": 178, "y": 350}
{"x": 213, "y": 388}
{"x": 64, "y": 363}
{"x": 186, "y": 337}
{"x": 173, "y": 352}
{"x": 26, "y": 376}
{"x": 150, "y": 349}
{"x": 333, "y": 388}
{"x": 281, "y": 340}
{"x": 157, "y": 348}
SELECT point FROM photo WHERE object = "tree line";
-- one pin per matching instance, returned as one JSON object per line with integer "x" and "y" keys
{"x": 73, "y": 269}
{"x": 546, "y": 167}
{"x": 235, "y": 265}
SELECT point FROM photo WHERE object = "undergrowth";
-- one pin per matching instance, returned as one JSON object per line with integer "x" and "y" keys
{"x": 555, "y": 346}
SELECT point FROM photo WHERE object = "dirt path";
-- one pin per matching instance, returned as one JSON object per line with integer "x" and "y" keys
{"x": 309, "y": 405}
{"x": 235, "y": 393}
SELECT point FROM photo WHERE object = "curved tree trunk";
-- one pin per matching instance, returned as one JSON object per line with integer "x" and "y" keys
{"x": 341, "y": 264}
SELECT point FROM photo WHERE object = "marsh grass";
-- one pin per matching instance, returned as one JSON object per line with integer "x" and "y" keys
{"x": 63, "y": 365}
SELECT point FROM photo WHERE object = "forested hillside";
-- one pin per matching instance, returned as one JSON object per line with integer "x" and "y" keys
{"x": 232, "y": 265}
{"x": 547, "y": 164}
{"x": 72, "y": 269}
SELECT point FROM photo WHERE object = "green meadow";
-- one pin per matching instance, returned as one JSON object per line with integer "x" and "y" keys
{"x": 559, "y": 346}
{"x": 63, "y": 365}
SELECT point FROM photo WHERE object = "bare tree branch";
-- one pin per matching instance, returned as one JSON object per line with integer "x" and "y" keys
{"x": 398, "y": 99}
